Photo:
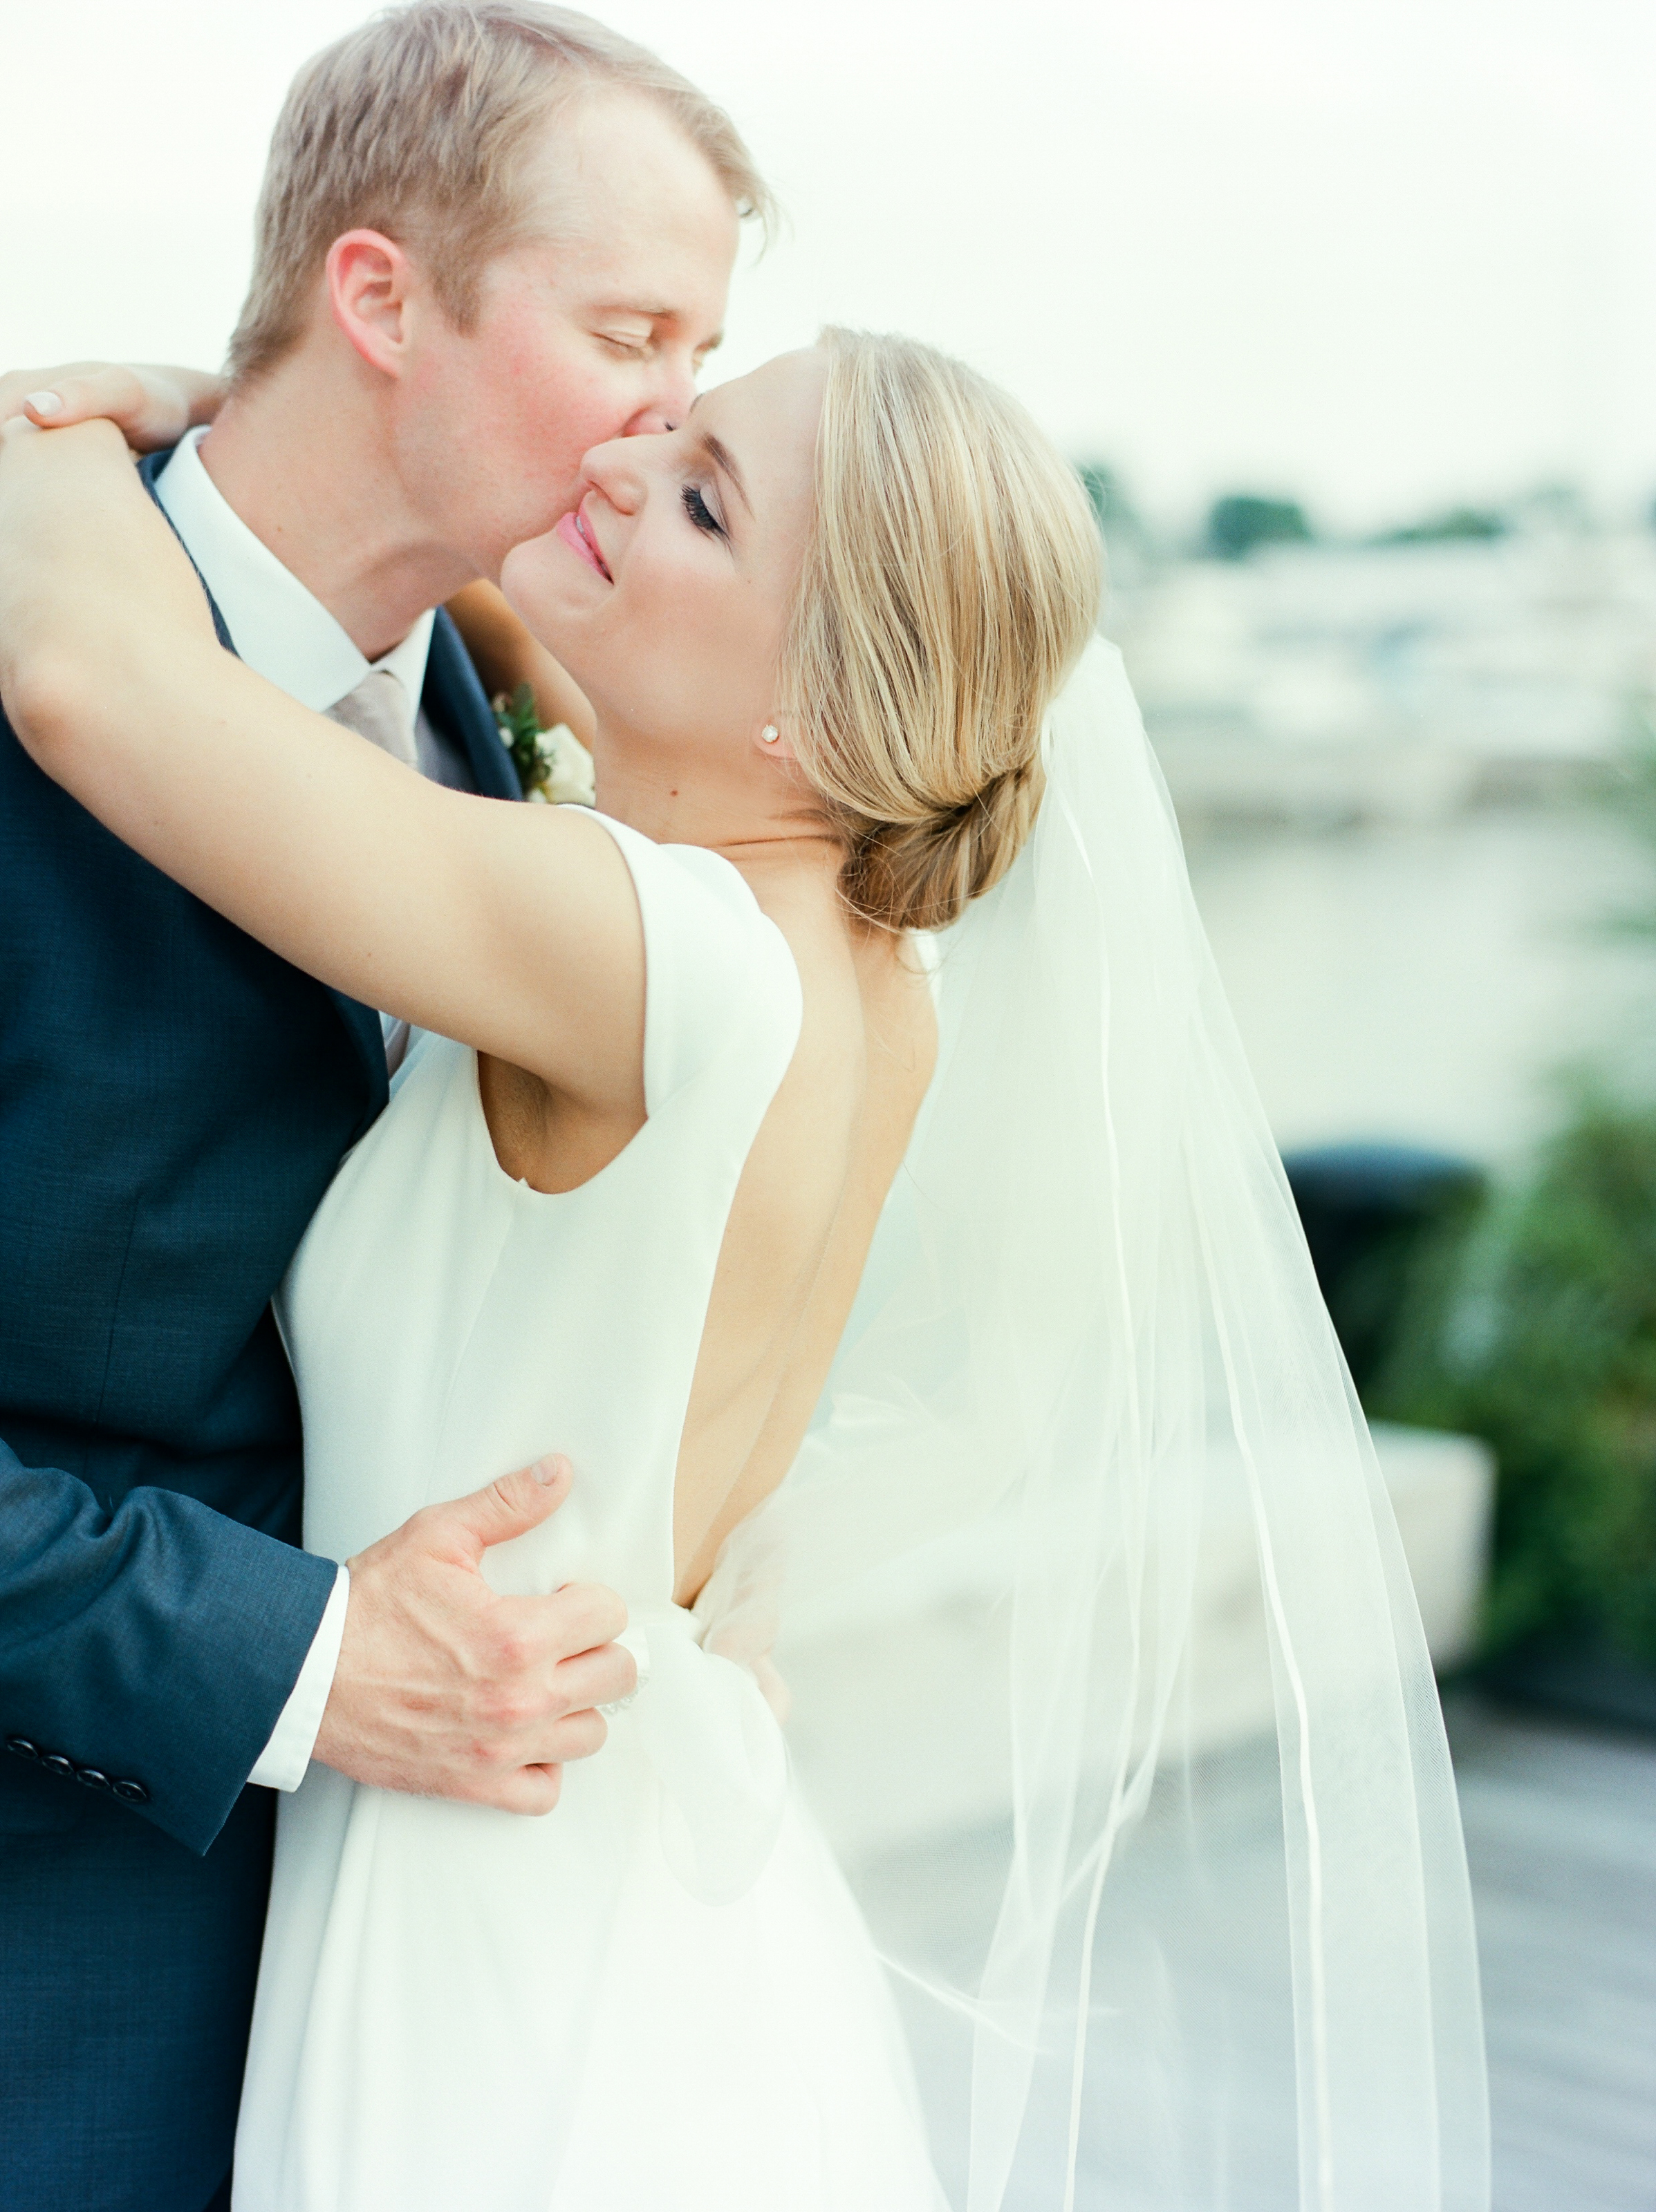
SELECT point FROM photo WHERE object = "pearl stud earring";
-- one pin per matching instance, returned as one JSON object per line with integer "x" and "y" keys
{"x": 770, "y": 733}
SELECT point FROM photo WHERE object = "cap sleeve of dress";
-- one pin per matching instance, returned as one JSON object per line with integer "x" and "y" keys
{"x": 719, "y": 974}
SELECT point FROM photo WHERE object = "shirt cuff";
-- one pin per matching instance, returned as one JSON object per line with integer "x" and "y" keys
{"x": 283, "y": 1762}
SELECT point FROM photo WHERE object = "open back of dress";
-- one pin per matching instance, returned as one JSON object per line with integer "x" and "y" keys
{"x": 662, "y": 1993}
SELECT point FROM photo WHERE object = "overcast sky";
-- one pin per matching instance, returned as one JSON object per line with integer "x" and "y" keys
{"x": 1381, "y": 256}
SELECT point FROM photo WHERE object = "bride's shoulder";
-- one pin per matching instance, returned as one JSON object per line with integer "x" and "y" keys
{"x": 718, "y": 969}
{"x": 691, "y": 890}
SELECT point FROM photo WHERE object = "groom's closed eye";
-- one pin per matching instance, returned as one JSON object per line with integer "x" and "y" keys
{"x": 641, "y": 328}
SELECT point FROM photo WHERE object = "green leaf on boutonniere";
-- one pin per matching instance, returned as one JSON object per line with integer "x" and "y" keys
{"x": 519, "y": 723}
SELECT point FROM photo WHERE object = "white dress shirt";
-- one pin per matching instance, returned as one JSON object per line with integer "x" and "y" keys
{"x": 280, "y": 629}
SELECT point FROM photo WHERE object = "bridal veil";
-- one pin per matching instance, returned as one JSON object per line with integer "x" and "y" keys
{"x": 1089, "y": 1337}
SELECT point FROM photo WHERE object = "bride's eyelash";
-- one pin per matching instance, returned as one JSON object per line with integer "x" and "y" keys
{"x": 700, "y": 513}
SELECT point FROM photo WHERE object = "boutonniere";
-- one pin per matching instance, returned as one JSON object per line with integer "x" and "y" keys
{"x": 552, "y": 765}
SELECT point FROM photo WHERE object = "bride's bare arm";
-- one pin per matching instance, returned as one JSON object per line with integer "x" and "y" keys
{"x": 152, "y": 406}
{"x": 513, "y": 929}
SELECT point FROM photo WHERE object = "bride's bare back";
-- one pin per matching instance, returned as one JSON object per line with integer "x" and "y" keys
{"x": 806, "y": 1207}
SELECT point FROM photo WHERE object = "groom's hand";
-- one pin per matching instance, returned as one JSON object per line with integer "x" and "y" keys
{"x": 445, "y": 1689}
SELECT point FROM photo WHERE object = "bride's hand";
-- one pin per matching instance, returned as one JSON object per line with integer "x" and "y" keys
{"x": 87, "y": 568}
{"x": 153, "y": 407}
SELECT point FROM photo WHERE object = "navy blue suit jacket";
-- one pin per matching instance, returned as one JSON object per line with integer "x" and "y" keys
{"x": 173, "y": 1102}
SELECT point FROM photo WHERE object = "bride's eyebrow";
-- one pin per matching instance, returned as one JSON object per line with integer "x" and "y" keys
{"x": 725, "y": 461}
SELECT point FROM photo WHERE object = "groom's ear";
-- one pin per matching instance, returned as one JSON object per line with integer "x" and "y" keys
{"x": 369, "y": 281}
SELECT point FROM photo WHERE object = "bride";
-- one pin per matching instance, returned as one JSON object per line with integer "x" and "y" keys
{"x": 838, "y": 1143}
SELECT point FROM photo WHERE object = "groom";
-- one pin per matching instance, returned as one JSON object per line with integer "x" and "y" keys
{"x": 490, "y": 237}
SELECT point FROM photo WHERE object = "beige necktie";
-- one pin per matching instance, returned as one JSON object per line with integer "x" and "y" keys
{"x": 380, "y": 709}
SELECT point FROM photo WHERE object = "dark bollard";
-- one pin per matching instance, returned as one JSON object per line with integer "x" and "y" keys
{"x": 1370, "y": 1213}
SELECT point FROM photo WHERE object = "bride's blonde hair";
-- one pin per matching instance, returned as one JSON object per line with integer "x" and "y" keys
{"x": 953, "y": 577}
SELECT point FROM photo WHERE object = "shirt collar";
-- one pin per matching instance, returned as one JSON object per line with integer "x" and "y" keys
{"x": 281, "y": 630}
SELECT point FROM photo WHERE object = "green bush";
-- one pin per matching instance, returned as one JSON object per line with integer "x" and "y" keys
{"x": 1242, "y": 521}
{"x": 1533, "y": 1324}
{"x": 1460, "y": 523}
{"x": 1536, "y": 1328}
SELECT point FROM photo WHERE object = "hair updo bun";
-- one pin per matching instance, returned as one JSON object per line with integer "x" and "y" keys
{"x": 953, "y": 576}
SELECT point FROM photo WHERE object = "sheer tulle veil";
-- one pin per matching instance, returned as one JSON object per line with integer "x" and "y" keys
{"x": 1088, "y": 1337}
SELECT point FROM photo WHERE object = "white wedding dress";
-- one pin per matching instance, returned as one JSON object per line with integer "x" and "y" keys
{"x": 660, "y": 1998}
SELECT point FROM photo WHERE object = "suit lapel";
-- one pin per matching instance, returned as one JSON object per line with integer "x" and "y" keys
{"x": 149, "y": 469}
{"x": 362, "y": 1023}
{"x": 455, "y": 700}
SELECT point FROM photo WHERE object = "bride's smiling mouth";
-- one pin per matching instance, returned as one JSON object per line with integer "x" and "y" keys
{"x": 577, "y": 534}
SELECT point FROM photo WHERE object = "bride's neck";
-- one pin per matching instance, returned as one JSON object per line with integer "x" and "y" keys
{"x": 749, "y": 813}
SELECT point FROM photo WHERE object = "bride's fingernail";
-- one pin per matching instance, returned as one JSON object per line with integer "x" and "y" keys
{"x": 547, "y": 1470}
{"x": 44, "y": 403}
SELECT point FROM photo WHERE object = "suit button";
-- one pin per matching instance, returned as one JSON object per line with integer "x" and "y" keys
{"x": 131, "y": 1793}
{"x": 22, "y": 1748}
{"x": 55, "y": 1762}
{"x": 94, "y": 1778}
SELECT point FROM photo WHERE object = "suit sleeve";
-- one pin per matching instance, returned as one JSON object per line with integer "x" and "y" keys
{"x": 147, "y": 1652}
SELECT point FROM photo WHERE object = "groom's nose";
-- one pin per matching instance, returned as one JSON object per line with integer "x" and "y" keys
{"x": 667, "y": 405}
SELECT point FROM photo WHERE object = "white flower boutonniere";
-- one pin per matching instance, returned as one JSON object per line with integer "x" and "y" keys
{"x": 553, "y": 766}
{"x": 569, "y": 779}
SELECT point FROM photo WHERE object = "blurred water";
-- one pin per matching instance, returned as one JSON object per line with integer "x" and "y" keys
{"x": 1383, "y": 759}
{"x": 1429, "y": 981}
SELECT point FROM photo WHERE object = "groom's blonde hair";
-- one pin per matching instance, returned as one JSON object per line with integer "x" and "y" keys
{"x": 422, "y": 124}
{"x": 953, "y": 577}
